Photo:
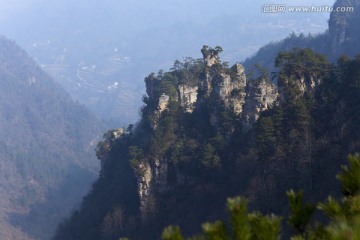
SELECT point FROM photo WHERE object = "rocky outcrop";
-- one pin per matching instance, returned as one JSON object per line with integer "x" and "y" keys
{"x": 187, "y": 97}
{"x": 308, "y": 84}
{"x": 211, "y": 60}
{"x": 228, "y": 85}
{"x": 204, "y": 87}
{"x": 163, "y": 102}
{"x": 210, "y": 56}
{"x": 260, "y": 96}
{"x": 233, "y": 90}
{"x": 144, "y": 180}
{"x": 303, "y": 84}
{"x": 152, "y": 179}
{"x": 117, "y": 133}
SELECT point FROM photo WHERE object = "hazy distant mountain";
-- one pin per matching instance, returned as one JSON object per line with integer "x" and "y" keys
{"x": 341, "y": 38}
{"x": 100, "y": 51}
{"x": 46, "y": 148}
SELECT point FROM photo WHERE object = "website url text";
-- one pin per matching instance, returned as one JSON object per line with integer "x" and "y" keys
{"x": 282, "y": 8}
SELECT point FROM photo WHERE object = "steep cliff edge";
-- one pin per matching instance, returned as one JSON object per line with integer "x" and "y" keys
{"x": 261, "y": 94}
{"x": 211, "y": 80}
{"x": 224, "y": 94}
{"x": 190, "y": 115}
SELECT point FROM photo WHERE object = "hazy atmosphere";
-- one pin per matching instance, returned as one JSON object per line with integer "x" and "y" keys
{"x": 174, "y": 120}
{"x": 100, "y": 51}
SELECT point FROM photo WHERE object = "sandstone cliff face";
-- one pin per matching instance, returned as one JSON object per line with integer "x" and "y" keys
{"x": 211, "y": 60}
{"x": 303, "y": 84}
{"x": 260, "y": 96}
{"x": 152, "y": 178}
{"x": 228, "y": 85}
{"x": 163, "y": 102}
{"x": 187, "y": 97}
{"x": 245, "y": 98}
{"x": 232, "y": 90}
{"x": 118, "y": 132}
{"x": 210, "y": 55}
{"x": 144, "y": 180}
{"x": 220, "y": 90}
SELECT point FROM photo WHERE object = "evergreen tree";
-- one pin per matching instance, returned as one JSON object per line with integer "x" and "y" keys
{"x": 344, "y": 217}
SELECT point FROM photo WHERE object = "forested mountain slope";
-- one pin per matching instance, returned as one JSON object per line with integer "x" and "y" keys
{"x": 208, "y": 131}
{"x": 46, "y": 148}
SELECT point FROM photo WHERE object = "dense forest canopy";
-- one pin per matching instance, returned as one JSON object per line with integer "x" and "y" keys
{"x": 343, "y": 216}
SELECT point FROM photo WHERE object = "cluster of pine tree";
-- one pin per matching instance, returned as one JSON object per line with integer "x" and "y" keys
{"x": 343, "y": 216}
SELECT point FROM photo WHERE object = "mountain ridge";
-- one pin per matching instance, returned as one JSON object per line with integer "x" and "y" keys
{"x": 341, "y": 37}
{"x": 44, "y": 138}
